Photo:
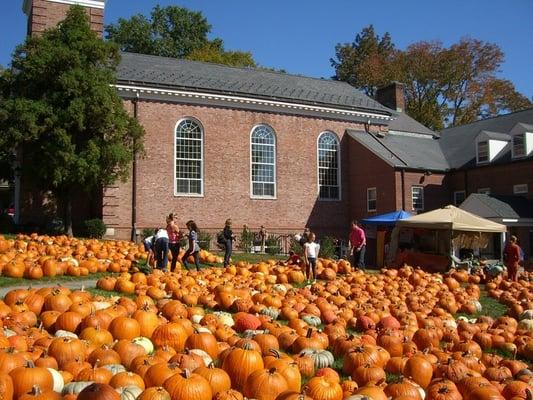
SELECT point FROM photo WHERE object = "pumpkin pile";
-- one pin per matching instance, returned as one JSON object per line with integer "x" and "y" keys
{"x": 256, "y": 331}
{"x": 35, "y": 256}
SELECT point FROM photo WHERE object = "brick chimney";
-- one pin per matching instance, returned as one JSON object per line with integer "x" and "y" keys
{"x": 392, "y": 96}
{"x": 46, "y": 14}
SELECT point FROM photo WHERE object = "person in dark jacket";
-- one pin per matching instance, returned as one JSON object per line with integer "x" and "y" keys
{"x": 228, "y": 238}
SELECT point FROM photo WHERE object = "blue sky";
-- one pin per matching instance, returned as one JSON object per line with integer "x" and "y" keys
{"x": 300, "y": 35}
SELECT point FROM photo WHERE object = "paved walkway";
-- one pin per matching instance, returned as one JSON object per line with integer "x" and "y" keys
{"x": 87, "y": 283}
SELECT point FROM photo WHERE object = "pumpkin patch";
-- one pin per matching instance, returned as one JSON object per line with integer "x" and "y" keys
{"x": 256, "y": 331}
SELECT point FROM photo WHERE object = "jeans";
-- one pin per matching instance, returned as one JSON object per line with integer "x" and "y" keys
{"x": 175, "y": 251}
{"x": 228, "y": 247}
{"x": 359, "y": 257}
{"x": 161, "y": 253}
{"x": 196, "y": 258}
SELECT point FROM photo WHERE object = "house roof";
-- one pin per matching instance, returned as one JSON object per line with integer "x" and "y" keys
{"x": 496, "y": 136}
{"x": 404, "y": 123}
{"x": 458, "y": 143}
{"x": 155, "y": 71}
{"x": 404, "y": 150}
{"x": 496, "y": 206}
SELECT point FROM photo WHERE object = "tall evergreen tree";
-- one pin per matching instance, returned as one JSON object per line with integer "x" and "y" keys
{"x": 62, "y": 114}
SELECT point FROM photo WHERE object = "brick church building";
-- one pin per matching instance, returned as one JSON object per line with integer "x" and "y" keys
{"x": 286, "y": 151}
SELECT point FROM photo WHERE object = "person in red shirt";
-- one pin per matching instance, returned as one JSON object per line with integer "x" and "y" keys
{"x": 512, "y": 258}
{"x": 357, "y": 240}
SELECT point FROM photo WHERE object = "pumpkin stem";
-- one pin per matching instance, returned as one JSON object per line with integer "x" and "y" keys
{"x": 36, "y": 391}
{"x": 309, "y": 333}
{"x": 211, "y": 365}
{"x": 275, "y": 353}
{"x": 272, "y": 370}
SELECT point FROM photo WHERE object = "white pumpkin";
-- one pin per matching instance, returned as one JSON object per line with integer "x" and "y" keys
{"x": 115, "y": 368}
{"x": 526, "y": 324}
{"x": 449, "y": 323}
{"x": 101, "y": 305}
{"x": 129, "y": 392}
{"x": 145, "y": 343}
{"x": 75, "y": 387}
{"x": 225, "y": 318}
{"x": 206, "y": 357}
{"x": 528, "y": 314}
{"x": 67, "y": 334}
{"x": 59, "y": 382}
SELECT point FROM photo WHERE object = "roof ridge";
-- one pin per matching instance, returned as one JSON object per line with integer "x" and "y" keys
{"x": 486, "y": 119}
{"x": 258, "y": 69}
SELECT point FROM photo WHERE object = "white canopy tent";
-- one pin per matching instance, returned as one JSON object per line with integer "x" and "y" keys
{"x": 451, "y": 221}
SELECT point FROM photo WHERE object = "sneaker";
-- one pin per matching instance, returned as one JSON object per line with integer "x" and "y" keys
{"x": 314, "y": 281}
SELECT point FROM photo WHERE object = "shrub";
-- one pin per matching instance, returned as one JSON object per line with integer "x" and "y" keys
{"x": 55, "y": 227}
{"x": 296, "y": 246}
{"x": 146, "y": 232}
{"x": 246, "y": 241}
{"x": 7, "y": 225}
{"x": 328, "y": 247}
{"x": 204, "y": 240}
{"x": 272, "y": 244}
{"x": 95, "y": 228}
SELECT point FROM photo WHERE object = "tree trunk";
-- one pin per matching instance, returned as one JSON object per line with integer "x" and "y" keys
{"x": 67, "y": 213}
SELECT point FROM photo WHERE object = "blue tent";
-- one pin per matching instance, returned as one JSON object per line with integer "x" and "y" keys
{"x": 387, "y": 219}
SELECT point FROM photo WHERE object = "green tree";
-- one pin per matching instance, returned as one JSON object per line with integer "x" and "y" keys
{"x": 176, "y": 32}
{"x": 366, "y": 62}
{"x": 63, "y": 116}
{"x": 214, "y": 52}
{"x": 444, "y": 86}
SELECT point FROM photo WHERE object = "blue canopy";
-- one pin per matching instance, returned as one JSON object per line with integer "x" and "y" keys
{"x": 387, "y": 219}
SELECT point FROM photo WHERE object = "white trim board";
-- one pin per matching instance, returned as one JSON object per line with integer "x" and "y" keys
{"x": 248, "y": 100}
{"x": 26, "y": 6}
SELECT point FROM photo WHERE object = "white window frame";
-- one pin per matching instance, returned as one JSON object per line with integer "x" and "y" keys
{"x": 524, "y": 150}
{"x": 202, "y": 161}
{"x": 520, "y": 189}
{"x": 338, "y": 151}
{"x": 455, "y": 194}
{"x": 485, "y": 190}
{"x": 368, "y": 199}
{"x": 413, "y": 198}
{"x": 485, "y": 143}
{"x": 262, "y": 197}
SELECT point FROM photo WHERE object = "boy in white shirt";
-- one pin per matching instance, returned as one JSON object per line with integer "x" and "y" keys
{"x": 311, "y": 250}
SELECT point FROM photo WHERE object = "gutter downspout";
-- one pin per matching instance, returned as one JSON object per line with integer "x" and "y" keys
{"x": 134, "y": 177}
{"x": 402, "y": 172}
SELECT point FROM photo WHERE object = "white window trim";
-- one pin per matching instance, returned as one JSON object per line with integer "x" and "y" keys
{"x": 368, "y": 190}
{"x": 412, "y": 198}
{"x": 176, "y": 193}
{"x": 455, "y": 193}
{"x": 488, "y": 152}
{"x": 523, "y": 186}
{"x": 485, "y": 190}
{"x": 339, "y": 181}
{"x": 256, "y": 197}
{"x": 524, "y": 146}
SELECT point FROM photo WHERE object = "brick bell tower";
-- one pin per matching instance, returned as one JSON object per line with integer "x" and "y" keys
{"x": 45, "y": 14}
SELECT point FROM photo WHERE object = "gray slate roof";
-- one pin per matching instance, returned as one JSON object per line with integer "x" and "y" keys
{"x": 504, "y": 206}
{"x": 458, "y": 143}
{"x": 404, "y": 123}
{"x": 404, "y": 151}
{"x": 146, "y": 70}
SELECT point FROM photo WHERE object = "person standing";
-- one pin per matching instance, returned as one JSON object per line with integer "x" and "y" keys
{"x": 305, "y": 237}
{"x": 357, "y": 240}
{"x": 194, "y": 247}
{"x": 512, "y": 258}
{"x": 262, "y": 237}
{"x": 311, "y": 250}
{"x": 148, "y": 243}
{"x": 173, "y": 239}
{"x": 161, "y": 249}
{"x": 228, "y": 237}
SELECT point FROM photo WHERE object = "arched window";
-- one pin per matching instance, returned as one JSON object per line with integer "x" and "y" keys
{"x": 189, "y": 171}
{"x": 328, "y": 167}
{"x": 263, "y": 158}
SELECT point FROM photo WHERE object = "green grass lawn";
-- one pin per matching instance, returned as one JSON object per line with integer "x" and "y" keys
{"x": 6, "y": 281}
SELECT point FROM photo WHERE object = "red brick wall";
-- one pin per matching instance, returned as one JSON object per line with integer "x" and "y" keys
{"x": 499, "y": 178}
{"x": 366, "y": 171}
{"x": 227, "y": 173}
{"x": 46, "y": 14}
{"x": 436, "y": 195}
